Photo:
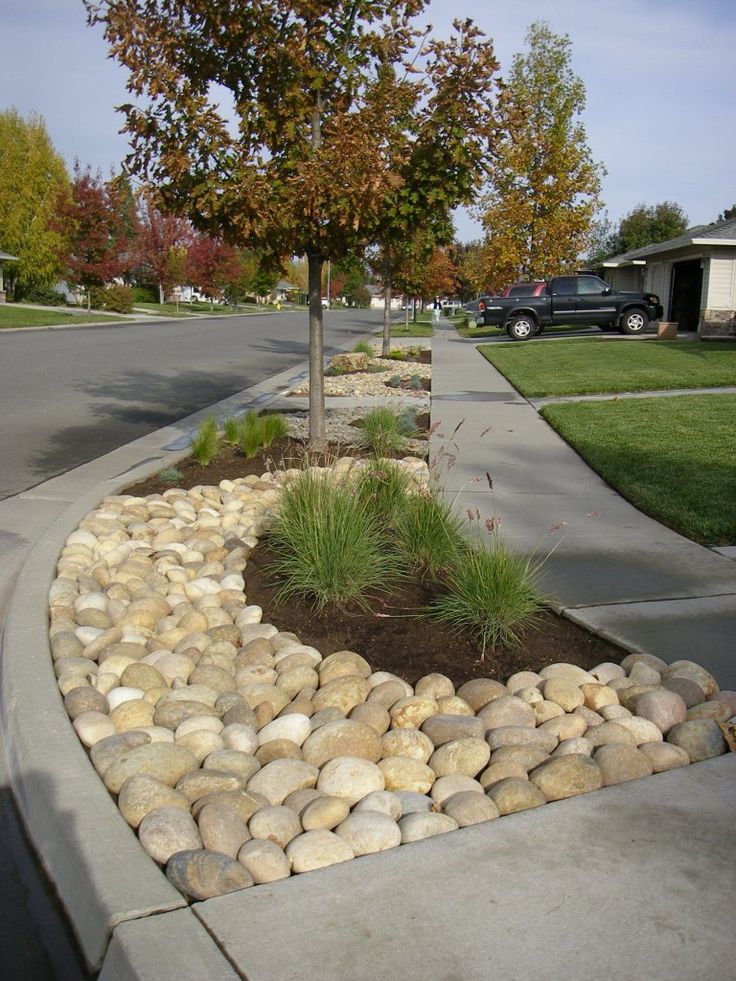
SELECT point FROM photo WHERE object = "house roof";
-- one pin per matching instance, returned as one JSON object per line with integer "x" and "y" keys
{"x": 6, "y": 255}
{"x": 719, "y": 233}
{"x": 284, "y": 284}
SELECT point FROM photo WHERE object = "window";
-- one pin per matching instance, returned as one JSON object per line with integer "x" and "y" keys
{"x": 590, "y": 285}
{"x": 564, "y": 286}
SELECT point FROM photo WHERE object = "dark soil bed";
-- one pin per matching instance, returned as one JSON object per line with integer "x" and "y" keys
{"x": 395, "y": 636}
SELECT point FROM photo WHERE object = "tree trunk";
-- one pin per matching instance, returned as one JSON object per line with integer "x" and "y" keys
{"x": 386, "y": 346}
{"x": 161, "y": 296}
{"x": 317, "y": 440}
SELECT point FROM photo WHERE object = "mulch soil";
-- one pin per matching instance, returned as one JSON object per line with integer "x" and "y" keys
{"x": 393, "y": 636}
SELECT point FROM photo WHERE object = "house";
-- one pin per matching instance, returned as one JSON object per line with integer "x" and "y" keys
{"x": 5, "y": 257}
{"x": 694, "y": 275}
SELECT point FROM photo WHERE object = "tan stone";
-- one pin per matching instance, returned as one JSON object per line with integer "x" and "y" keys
{"x": 567, "y": 776}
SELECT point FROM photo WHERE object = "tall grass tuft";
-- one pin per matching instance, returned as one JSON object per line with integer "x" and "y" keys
{"x": 249, "y": 434}
{"x": 428, "y": 534}
{"x": 273, "y": 427}
{"x": 330, "y": 548}
{"x": 363, "y": 347}
{"x": 383, "y": 487}
{"x": 382, "y": 432}
{"x": 206, "y": 442}
{"x": 231, "y": 430}
{"x": 491, "y": 594}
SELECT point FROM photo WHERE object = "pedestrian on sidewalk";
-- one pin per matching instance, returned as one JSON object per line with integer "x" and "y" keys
{"x": 436, "y": 310}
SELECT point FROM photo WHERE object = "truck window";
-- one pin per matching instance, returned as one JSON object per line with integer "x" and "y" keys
{"x": 590, "y": 285}
{"x": 563, "y": 286}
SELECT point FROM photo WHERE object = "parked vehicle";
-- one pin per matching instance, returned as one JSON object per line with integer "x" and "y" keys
{"x": 576, "y": 300}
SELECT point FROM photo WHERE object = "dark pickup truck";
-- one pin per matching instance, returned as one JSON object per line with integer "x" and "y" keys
{"x": 583, "y": 300}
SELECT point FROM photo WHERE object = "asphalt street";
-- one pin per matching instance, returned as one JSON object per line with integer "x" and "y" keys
{"x": 69, "y": 396}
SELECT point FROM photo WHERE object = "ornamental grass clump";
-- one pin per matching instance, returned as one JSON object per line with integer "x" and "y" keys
{"x": 363, "y": 347}
{"x": 384, "y": 488}
{"x": 382, "y": 432}
{"x": 250, "y": 434}
{"x": 206, "y": 442}
{"x": 231, "y": 430}
{"x": 428, "y": 535}
{"x": 273, "y": 426}
{"x": 491, "y": 593}
{"x": 331, "y": 550}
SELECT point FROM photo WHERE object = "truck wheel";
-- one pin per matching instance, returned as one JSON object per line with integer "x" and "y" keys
{"x": 634, "y": 322}
{"x": 521, "y": 328}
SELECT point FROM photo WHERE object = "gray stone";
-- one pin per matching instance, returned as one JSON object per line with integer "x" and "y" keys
{"x": 694, "y": 672}
{"x": 621, "y": 763}
{"x": 222, "y": 830}
{"x": 689, "y": 691}
{"x": 702, "y": 739}
{"x": 204, "y": 874}
{"x": 446, "y": 728}
{"x": 468, "y": 807}
{"x": 413, "y": 803}
{"x": 264, "y": 860}
{"x": 168, "y": 830}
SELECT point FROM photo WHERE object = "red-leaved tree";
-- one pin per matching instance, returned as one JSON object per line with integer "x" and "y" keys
{"x": 211, "y": 264}
{"x": 161, "y": 242}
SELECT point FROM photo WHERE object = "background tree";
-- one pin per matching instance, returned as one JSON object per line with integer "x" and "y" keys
{"x": 647, "y": 225}
{"x": 310, "y": 164}
{"x": 98, "y": 227}
{"x": 211, "y": 264}
{"x": 544, "y": 186}
{"x": 161, "y": 245}
{"x": 32, "y": 178}
{"x": 472, "y": 269}
{"x": 727, "y": 213}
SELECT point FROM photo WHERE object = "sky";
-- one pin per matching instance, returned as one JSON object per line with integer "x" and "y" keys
{"x": 658, "y": 75}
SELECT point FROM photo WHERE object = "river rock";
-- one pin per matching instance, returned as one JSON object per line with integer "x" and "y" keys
{"x": 171, "y": 714}
{"x": 326, "y": 715}
{"x": 140, "y": 794}
{"x": 499, "y": 771}
{"x": 644, "y": 674}
{"x": 466, "y": 756}
{"x": 222, "y": 830}
{"x": 664, "y": 756}
{"x": 567, "y": 776}
{"x": 85, "y": 699}
{"x": 373, "y": 715}
{"x": 343, "y": 738}
{"x": 418, "y": 826}
{"x": 526, "y": 756}
{"x": 383, "y": 801}
{"x": 351, "y": 778}
{"x": 324, "y": 812}
{"x": 621, "y": 763}
{"x": 569, "y": 672}
{"x": 413, "y": 803}
{"x": 512, "y": 795}
{"x": 719, "y": 711}
{"x": 168, "y": 830}
{"x": 264, "y": 860}
{"x": 132, "y": 714}
{"x": 454, "y": 783}
{"x": 279, "y": 778}
{"x": 468, "y": 807}
{"x": 435, "y": 686}
{"x": 92, "y": 727}
{"x": 204, "y": 874}
{"x": 387, "y": 693}
{"x": 202, "y": 783}
{"x": 544, "y": 711}
{"x": 507, "y": 710}
{"x": 369, "y": 831}
{"x": 523, "y": 679}
{"x": 317, "y": 850}
{"x": 241, "y": 737}
{"x": 446, "y": 728}
{"x": 521, "y": 736}
{"x": 610, "y": 713}
{"x": 693, "y": 672}
{"x": 689, "y": 691}
{"x": 643, "y": 730}
{"x": 579, "y": 745}
{"x": 411, "y": 712}
{"x": 342, "y": 664}
{"x": 343, "y": 693}
{"x": 598, "y": 696}
{"x": 563, "y": 692}
{"x": 404, "y": 773}
{"x": 607, "y": 671}
{"x": 276, "y": 823}
{"x": 702, "y": 739}
{"x": 407, "y": 742}
{"x": 278, "y": 749}
{"x": 453, "y": 705}
{"x": 109, "y": 749}
{"x": 610, "y": 732}
{"x": 480, "y": 691}
{"x": 651, "y": 660}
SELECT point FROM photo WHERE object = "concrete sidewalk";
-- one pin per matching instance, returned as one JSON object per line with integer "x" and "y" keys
{"x": 613, "y": 569}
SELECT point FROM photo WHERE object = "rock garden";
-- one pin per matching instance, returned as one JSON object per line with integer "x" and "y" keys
{"x": 284, "y": 663}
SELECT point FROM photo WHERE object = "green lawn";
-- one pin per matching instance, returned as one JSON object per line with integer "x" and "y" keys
{"x": 674, "y": 458}
{"x": 586, "y": 366}
{"x": 12, "y": 316}
{"x": 412, "y": 330}
{"x": 497, "y": 332}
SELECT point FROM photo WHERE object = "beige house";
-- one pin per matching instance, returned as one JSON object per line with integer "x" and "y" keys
{"x": 694, "y": 275}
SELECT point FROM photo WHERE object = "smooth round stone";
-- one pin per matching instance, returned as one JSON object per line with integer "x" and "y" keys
{"x": 275, "y": 697}
{"x": 280, "y": 778}
{"x": 301, "y": 705}
{"x": 202, "y": 783}
{"x": 241, "y": 765}
{"x": 610, "y": 713}
{"x": 521, "y": 736}
{"x": 143, "y": 676}
{"x": 287, "y": 662}
{"x": 383, "y": 801}
{"x": 222, "y": 830}
{"x": 387, "y": 693}
{"x": 84, "y": 699}
{"x": 135, "y": 714}
{"x": 689, "y": 691}
{"x": 240, "y": 802}
{"x": 720, "y": 711}
{"x": 693, "y": 672}
{"x": 531, "y": 695}
{"x": 643, "y": 730}
{"x": 702, "y": 739}
{"x": 410, "y": 713}
{"x": 295, "y": 680}
{"x": 446, "y": 728}
{"x": 276, "y": 823}
{"x": 351, "y": 778}
{"x": 628, "y": 696}
{"x": 345, "y": 737}
{"x": 174, "y": 666}
{"x": 92, "y": 727}
{"x": 513, "y": 794}
{"x": 168, "y": 830}
{"x": 413, "y": 803}
{"x": 598, "y": 696}
{"x": 81, "y": 667}
{"x": 567, "y": 776}
{"x": 241, "y": 737}
{"x": 418, "y": 826}
{"x": 141, "y": 794}
{"x": 500, "y": 771}
{"x": 171, "y": 714}
{"x": 369, "y": 831}
{"x": 481, "y": 691}
{"x": 65, "y": 644}
{"x": 404, "y": 773}
{"x": 578, "y": 745}
{"x": 107, "y": 750}
{"x": 467, "y": 807}
{"x": 264, "y": 860}
{"x": 298, "y": 799}
{"x": 644, "y": 674}
{"x": 526, "y": 756}
{"x": 591, "y": 718}
{"x": 621, "y": 763}
{"x": 343, "y": 693}
{"x": 664, "y": 756}
{"x": 434, "y": 686}
{"x": 342, "y": 664}
{"x": 197, "y": 723}
{"x": 729, "y": 697}
{"x": 379, "y": 677}
{"x": 454, "y": 783}
{"x": 570, "y": 672}
{"x": 406, "y": 742}
{"x": 523, "y": 679}
{"x": 278, "y": 749}
{"x": 465, "y": 756}
{"x": 120, "y": 695}
{"x": 212, "y": 676}
{"x": 610, "y": 732}
{"x": 651, "y": 660}
{"x": 563, "y": 692}
{"x": 607, "y": 671}
{"x": 507, "y": 710}
{"x": 205, "y": 874}
{"x": 373, "y": 715}
{"x": 453, "y": 705}
{"x": 324, "y": 812}
{"x": 544, "y": 711}
{"x": 166, "y": 762}
{"x": 324, "y": 716}
{"x": 317, "y": 850}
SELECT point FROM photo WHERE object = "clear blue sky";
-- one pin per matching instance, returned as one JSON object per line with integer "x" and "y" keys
{"x": 658, "y": 73}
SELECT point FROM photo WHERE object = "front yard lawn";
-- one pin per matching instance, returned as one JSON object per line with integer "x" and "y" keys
{"x": 12, "y": 316}
{"x": 587, "y": 366}
{"x": 673, "y": 458}
{"x": 411, "y": 330}
{"x": 497, "y": 332}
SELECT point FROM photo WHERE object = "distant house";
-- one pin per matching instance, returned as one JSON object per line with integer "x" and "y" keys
{"x": 378, "y": 299}
{"x": 694, "y": 275}
{"x": 285, "y": 292}
{"x": 5, "y": 257}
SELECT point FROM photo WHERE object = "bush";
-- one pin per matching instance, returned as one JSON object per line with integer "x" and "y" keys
{"x": 206, "y": 443}
{"x": 381, "y": 431}
{"x": 43, "y": 295}
{"x": 491, "y": 593}
{"x": 113, "y": 298}
{"x": 169, "y": 475}
{"x": 145, "y": 294}
{"x": 331, "y": 549}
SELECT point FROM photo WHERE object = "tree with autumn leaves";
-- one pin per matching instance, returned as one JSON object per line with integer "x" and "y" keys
{"x": 321, "y": 91}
